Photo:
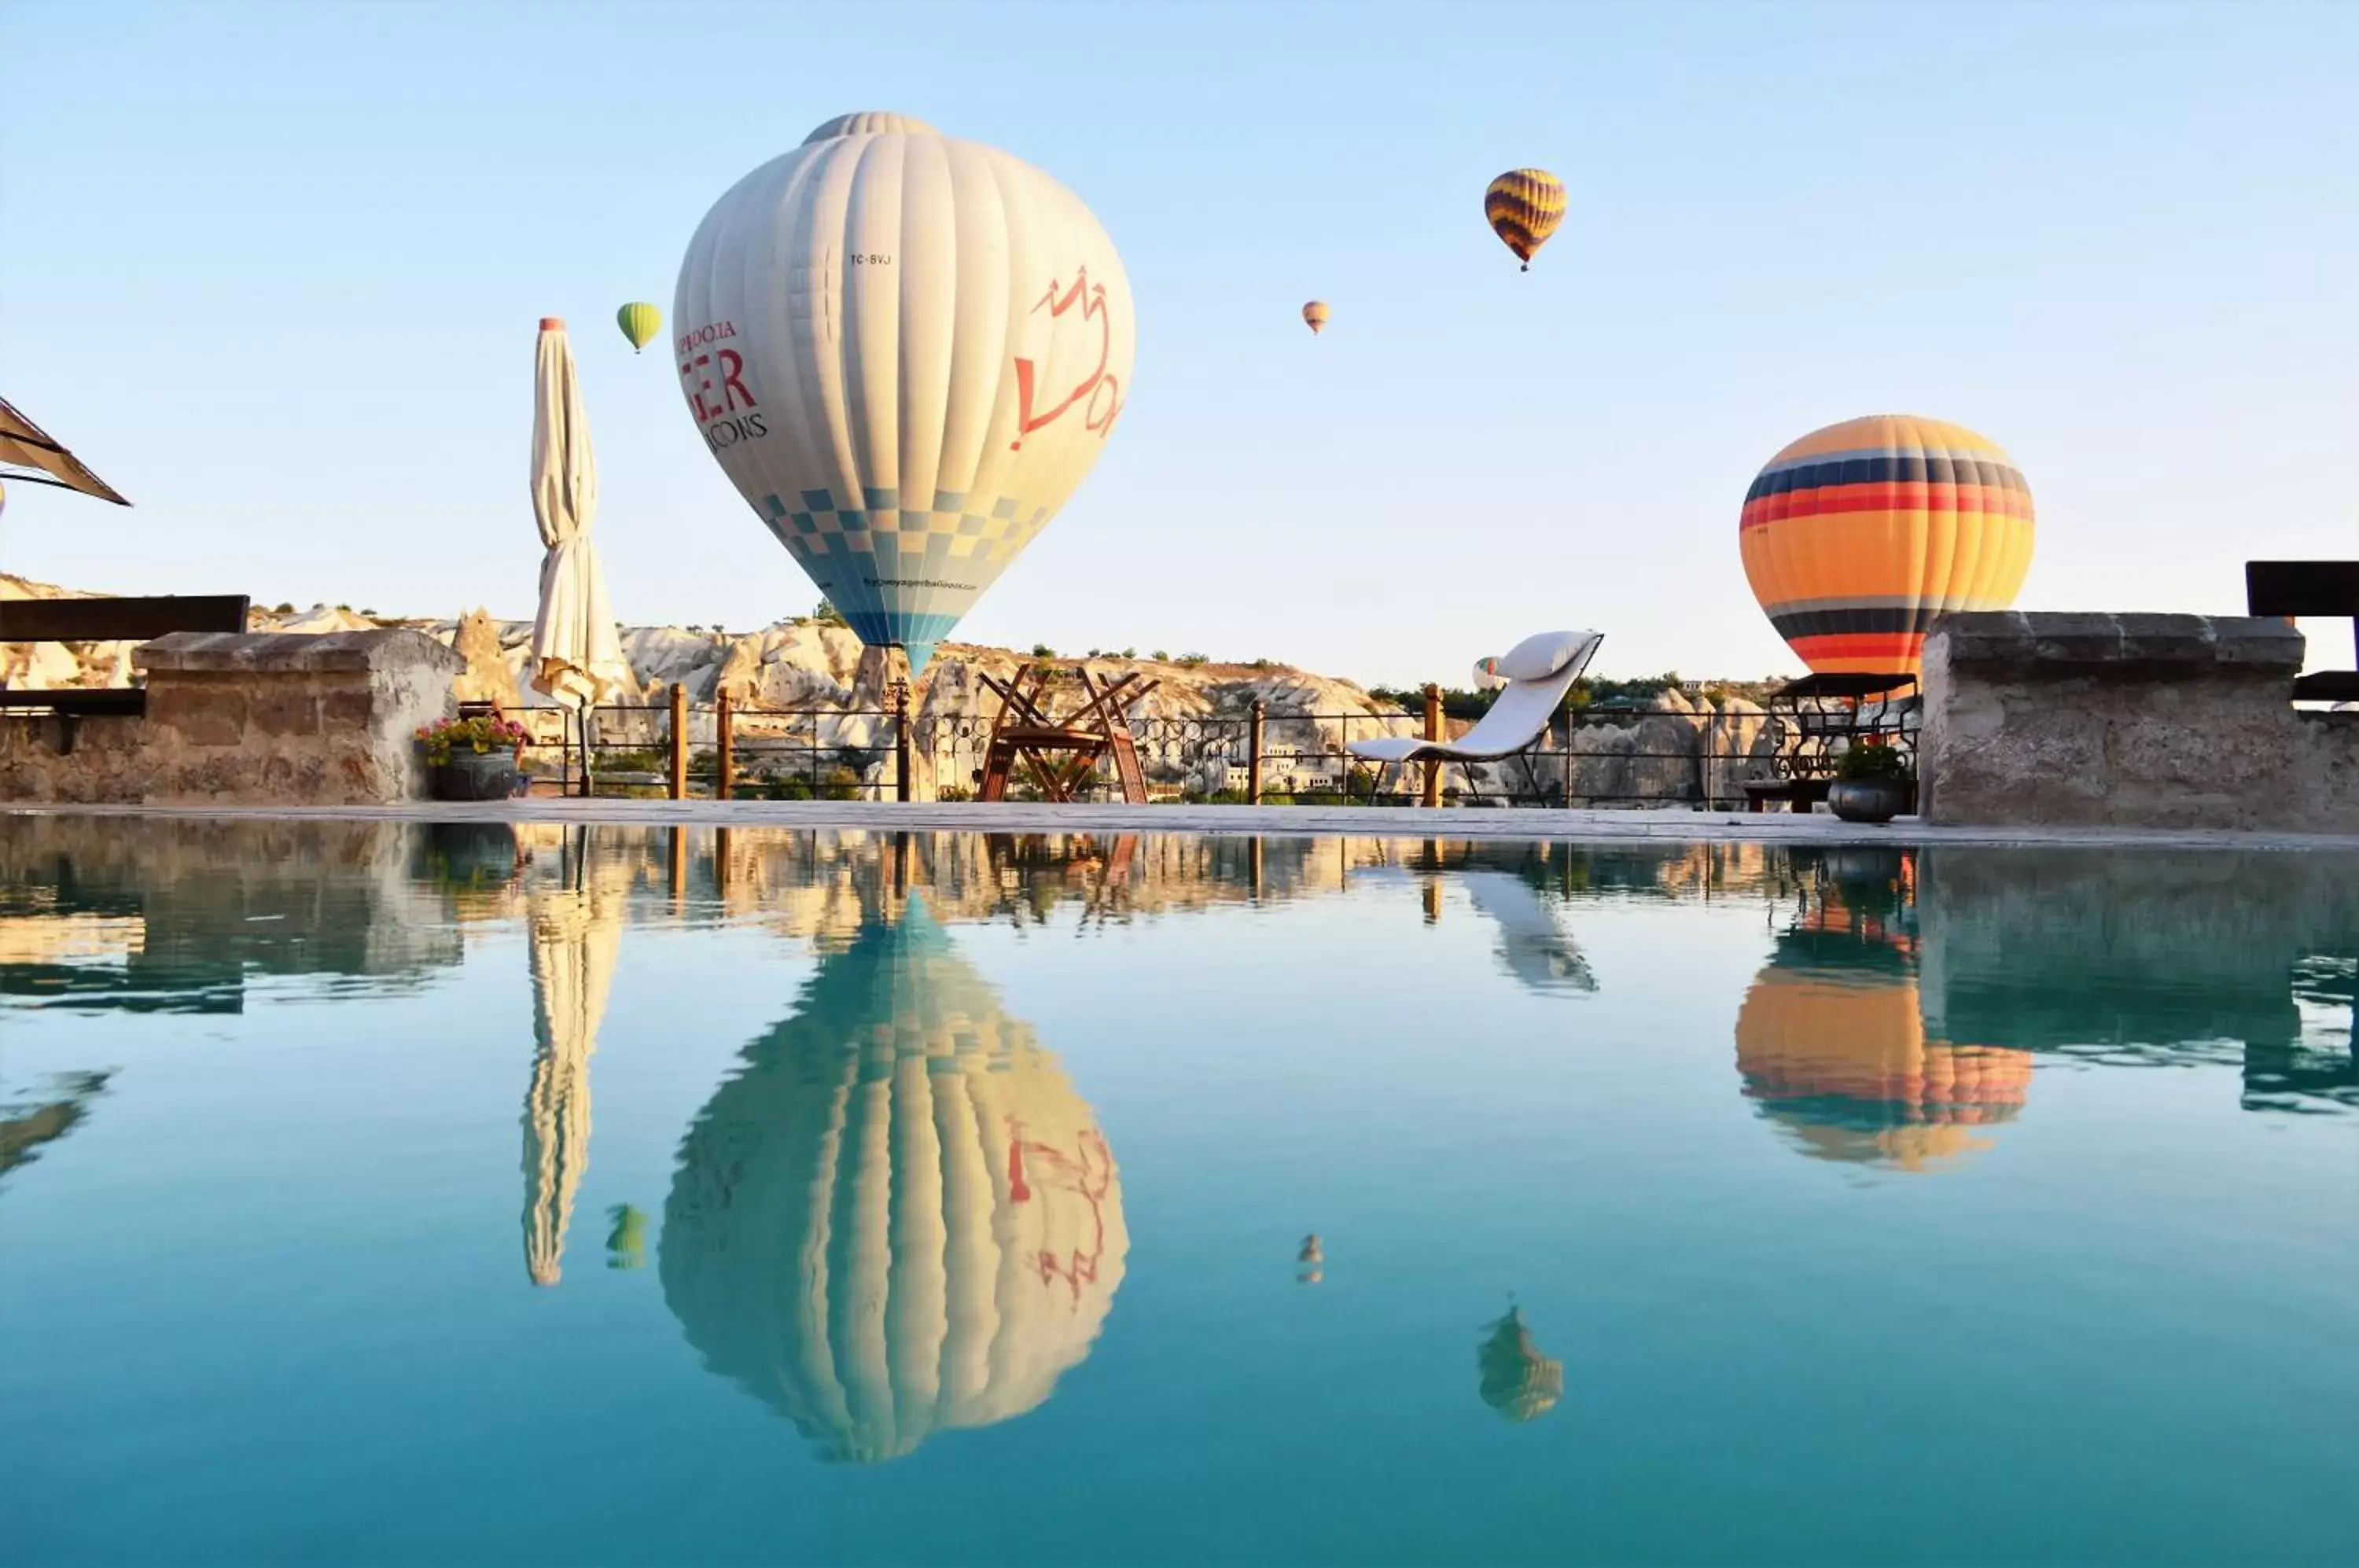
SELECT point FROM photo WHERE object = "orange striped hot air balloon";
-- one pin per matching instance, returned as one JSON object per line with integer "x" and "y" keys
{"x": 1524, "y": 206}
{"x": 1856, "y": 536}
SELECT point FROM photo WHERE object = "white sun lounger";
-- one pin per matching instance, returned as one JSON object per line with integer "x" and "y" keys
{"x": 1539, "y": 671}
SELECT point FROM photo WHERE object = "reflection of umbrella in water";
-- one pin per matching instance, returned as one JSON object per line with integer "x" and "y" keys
{"x": 1534, "y": 947}
{"x": 1518, "y": 1382}
{"x": 1839, "y": 1055}
{"x": 576, "y": 933}
{"x": 897, "y": 1218}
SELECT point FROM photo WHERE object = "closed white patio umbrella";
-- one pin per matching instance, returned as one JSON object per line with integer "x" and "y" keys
{"x": 577, "y": 655}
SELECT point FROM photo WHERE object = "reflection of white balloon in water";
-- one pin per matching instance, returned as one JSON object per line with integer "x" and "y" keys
{"x": 907, "y": 352}
{"x": 898, "y": 1217}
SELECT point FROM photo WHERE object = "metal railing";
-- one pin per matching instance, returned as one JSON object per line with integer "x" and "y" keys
{"x": 1598, "y": 757}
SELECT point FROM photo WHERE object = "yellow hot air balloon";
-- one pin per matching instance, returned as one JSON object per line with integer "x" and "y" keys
{"x": 1524, "y": 206}
{"x": 1856, "y": 536}
{"x": 898, "y": 1217}
{"x": 640, "y": 322}
{"x": 1314, "y": 315}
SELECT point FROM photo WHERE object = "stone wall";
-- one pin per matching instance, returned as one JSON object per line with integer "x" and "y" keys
{"x": 276, "y": 718}
{"x": 2129, "y": 721}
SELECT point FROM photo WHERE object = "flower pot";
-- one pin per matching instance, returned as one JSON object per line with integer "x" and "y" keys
{"x": 473, "y": 775}
{"x": 1868, "y": 800}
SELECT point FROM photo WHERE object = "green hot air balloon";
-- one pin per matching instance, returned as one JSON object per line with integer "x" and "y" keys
{"x": 640, "y": 322}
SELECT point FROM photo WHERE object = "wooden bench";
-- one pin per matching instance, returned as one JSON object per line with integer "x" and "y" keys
{"x": 2291, "y": 588}
{"x": 106, "y": 620}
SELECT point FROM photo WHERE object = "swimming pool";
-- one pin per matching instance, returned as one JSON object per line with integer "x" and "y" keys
{"x": 396, "y": 1193}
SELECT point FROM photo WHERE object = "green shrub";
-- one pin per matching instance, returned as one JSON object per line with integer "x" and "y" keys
{"x": 1191, "y": 660}
{"x": 1871, "y": 761}
{"x": 1042, "y": 650}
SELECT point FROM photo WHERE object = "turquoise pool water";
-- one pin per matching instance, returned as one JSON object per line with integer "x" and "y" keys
{"x": 374, "y": 1193}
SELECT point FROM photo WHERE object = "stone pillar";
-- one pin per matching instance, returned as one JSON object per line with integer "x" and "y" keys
{"x": 282, "y": 719}
{"x": 2117, "y": 720}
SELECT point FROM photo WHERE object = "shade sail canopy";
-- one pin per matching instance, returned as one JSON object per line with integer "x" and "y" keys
{"x": 577, "y": 654}
{"x": 25, "y": 445}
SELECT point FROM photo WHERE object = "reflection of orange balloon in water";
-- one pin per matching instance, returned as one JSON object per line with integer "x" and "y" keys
{"x": 898, "y": 1218}
{"x": 1841, "y": 1058}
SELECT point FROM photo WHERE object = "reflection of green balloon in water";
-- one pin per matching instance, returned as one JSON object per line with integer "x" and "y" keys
{"x": 626, "y": 1244}
{"x": 898, "y": 1217}
{"x": 1519, "y": 1382}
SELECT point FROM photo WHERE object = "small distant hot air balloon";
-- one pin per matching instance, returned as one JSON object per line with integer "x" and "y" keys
{"x": 1518, "y": 1382}
{"x": 1856, "y": 536}
{"x": 1310, "y": 1262}
{"x": 640, "y": 322}
{"x": 1487, "y": 674}
{"x": 1314, "y": 315}
{"x": 1524, "y": 206}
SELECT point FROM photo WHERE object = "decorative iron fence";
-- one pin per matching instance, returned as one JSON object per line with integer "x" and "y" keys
{"x": 1592, "y": 758}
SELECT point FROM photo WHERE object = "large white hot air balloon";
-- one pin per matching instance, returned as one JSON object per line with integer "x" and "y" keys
{"x": 906, "y": 351}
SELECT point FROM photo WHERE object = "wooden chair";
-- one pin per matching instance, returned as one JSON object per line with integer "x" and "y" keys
{"x": 2291, "y": 588}
{"x": 1058, "y": 754}
{"x": 106, "y": 620}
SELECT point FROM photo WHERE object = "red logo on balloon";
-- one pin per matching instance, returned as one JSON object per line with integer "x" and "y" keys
{"x": 1098, "y": 393}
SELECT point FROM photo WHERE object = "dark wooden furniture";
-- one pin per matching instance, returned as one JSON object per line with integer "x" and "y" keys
{"x": 2291, "y": 588}
{"x": 1059, "y": 753}
{"x": 1826, "y": 715}
{"x": 106, "y": 620}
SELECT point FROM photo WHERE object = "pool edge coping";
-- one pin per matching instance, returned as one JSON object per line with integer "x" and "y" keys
{"x": 1267, "y": 822}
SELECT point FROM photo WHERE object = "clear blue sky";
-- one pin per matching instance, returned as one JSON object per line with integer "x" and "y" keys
{"x": 276, "y": 271}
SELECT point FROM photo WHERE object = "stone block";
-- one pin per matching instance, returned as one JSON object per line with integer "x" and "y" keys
{"x": 198, "y": 712}
{"x": 286, "y": 653}
{"x": 274, "y": 712}
{"x": 2115, "y": 720}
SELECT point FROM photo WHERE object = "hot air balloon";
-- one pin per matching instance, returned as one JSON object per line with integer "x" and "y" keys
{"x": 898, "y": 1217}
{"x": 1524, "y": 206}
{"x": 1487, "y": 674}
{"x": 640, "y": 322}
{"x": 1314, "y": 315}
{"x": 1518, "y": 1382}
{"x": 1856, "y": 536}
{"x": 906, "y": 351}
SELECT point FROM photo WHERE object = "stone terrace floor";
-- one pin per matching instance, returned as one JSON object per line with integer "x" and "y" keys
{"x": 1275, "y": 822}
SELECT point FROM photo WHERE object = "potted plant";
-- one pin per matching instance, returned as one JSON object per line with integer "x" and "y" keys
{"x": 471, "y": 758}
{"x": 1872, "y": 783}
